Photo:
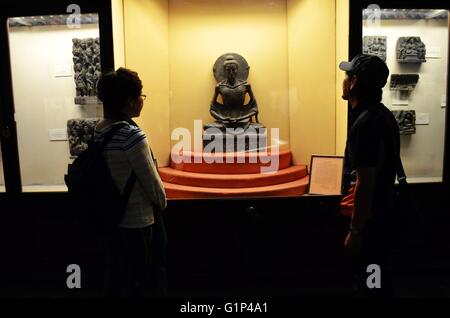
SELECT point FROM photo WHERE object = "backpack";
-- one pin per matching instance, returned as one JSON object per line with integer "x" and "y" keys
{"x": 93, "y": 191}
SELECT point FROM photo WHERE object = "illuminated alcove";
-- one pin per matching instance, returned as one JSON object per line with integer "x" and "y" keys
{"x": 290, "y": 47}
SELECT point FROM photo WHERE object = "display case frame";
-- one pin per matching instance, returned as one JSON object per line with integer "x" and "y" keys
{"x": 8, "y": 128}
{"x": 355, "y": 47}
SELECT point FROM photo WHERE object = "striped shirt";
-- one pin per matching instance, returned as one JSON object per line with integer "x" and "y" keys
{"x": 128, "y": 149}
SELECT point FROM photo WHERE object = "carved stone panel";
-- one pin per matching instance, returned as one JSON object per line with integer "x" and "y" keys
{"x": 86, "y": 64}
{"x": 375, "y": 45}
{"x": 406, "y": 120}
{"x": 404, "y": 82}
{"x": 410, "y": 49}
{"x": 80, "y": 132}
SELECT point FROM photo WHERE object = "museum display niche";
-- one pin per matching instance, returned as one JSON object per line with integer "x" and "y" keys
{"x": 59, "y": 79}
{"x": 417, "y": 40}
{"x": 47, "y": 64}
{"x": 278, "y": 82}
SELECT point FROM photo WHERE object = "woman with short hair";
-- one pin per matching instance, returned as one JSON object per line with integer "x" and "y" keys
{"x": 131, "y": 247}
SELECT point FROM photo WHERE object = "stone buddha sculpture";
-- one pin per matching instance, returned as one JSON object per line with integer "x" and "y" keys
{"x": 231, "y": 73}
{"x": 232, "y": 88}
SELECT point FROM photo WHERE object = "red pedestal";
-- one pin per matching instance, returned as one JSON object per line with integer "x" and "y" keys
{"x": 210, "y": 175}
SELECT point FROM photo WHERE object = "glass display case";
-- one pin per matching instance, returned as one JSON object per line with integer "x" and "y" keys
{"x": 54, "y": 68}
{"x": 414, "y": 43}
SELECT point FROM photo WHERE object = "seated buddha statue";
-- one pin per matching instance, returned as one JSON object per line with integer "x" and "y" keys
{"x": 232, "y": 87}
{"x": 233, "y": 112}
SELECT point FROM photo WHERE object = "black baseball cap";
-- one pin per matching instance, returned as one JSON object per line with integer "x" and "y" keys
{"x": 369, "y": 67}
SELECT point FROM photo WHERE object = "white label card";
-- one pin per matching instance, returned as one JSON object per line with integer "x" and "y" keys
{"x": 62, "y": 70}
{"x": 433, "y": 52}
{"x": 400, "y": 102}
{"x": 59, "y": 134}
{"x": 422, "y": 119}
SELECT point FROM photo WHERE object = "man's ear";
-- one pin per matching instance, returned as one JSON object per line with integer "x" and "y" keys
{"x": 353, "y": 81}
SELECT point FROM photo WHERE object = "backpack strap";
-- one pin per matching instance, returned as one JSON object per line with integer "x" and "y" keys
{"x": 132, "y": 178}
{"x": 110, "y": 134}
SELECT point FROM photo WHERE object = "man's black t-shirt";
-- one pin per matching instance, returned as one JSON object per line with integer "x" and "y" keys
{"x": 373, "y": 141}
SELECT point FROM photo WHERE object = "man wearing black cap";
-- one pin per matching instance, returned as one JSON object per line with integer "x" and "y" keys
{"x": 373, "y": 144}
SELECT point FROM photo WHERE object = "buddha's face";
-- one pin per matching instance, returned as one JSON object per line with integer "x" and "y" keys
{"x": 231, "y": 71}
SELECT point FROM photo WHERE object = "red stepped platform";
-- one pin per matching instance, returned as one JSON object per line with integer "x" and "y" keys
{"x": 199, "y": 176}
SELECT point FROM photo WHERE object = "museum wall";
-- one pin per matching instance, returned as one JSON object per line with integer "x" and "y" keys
{"x": 118, "y": 33}
{"x": 44, "y": 91}
{"x": 342, "y": 34}
{"x": 312, "y": 75}
{"x": 422, "y": 153}
{"x": 146, "y": 28}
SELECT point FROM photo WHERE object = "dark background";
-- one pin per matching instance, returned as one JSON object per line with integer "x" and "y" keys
{"x": 284, "y": 247}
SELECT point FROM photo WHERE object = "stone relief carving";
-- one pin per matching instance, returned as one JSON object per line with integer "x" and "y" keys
{"x": 80, "y": 132}
{"x": 87, "y": 67}
{"x": 410, "y": 49}
{"x": 404, "y": 82}
{"x": 375, "y": 45}
{"x": 406, "y": 120}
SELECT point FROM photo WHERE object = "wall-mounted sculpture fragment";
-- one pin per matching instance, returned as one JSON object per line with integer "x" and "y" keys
{"x": 375, "y": 45}
{"x": 410, "y": 49}
{"x": 86, "y": 64}
{"x": 406, "y": 120}
{"x": 80, "y": 132}
{"x": 404, "y": 82}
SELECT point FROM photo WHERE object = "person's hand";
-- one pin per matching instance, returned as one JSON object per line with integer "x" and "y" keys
{"x": 352, "y": 244}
